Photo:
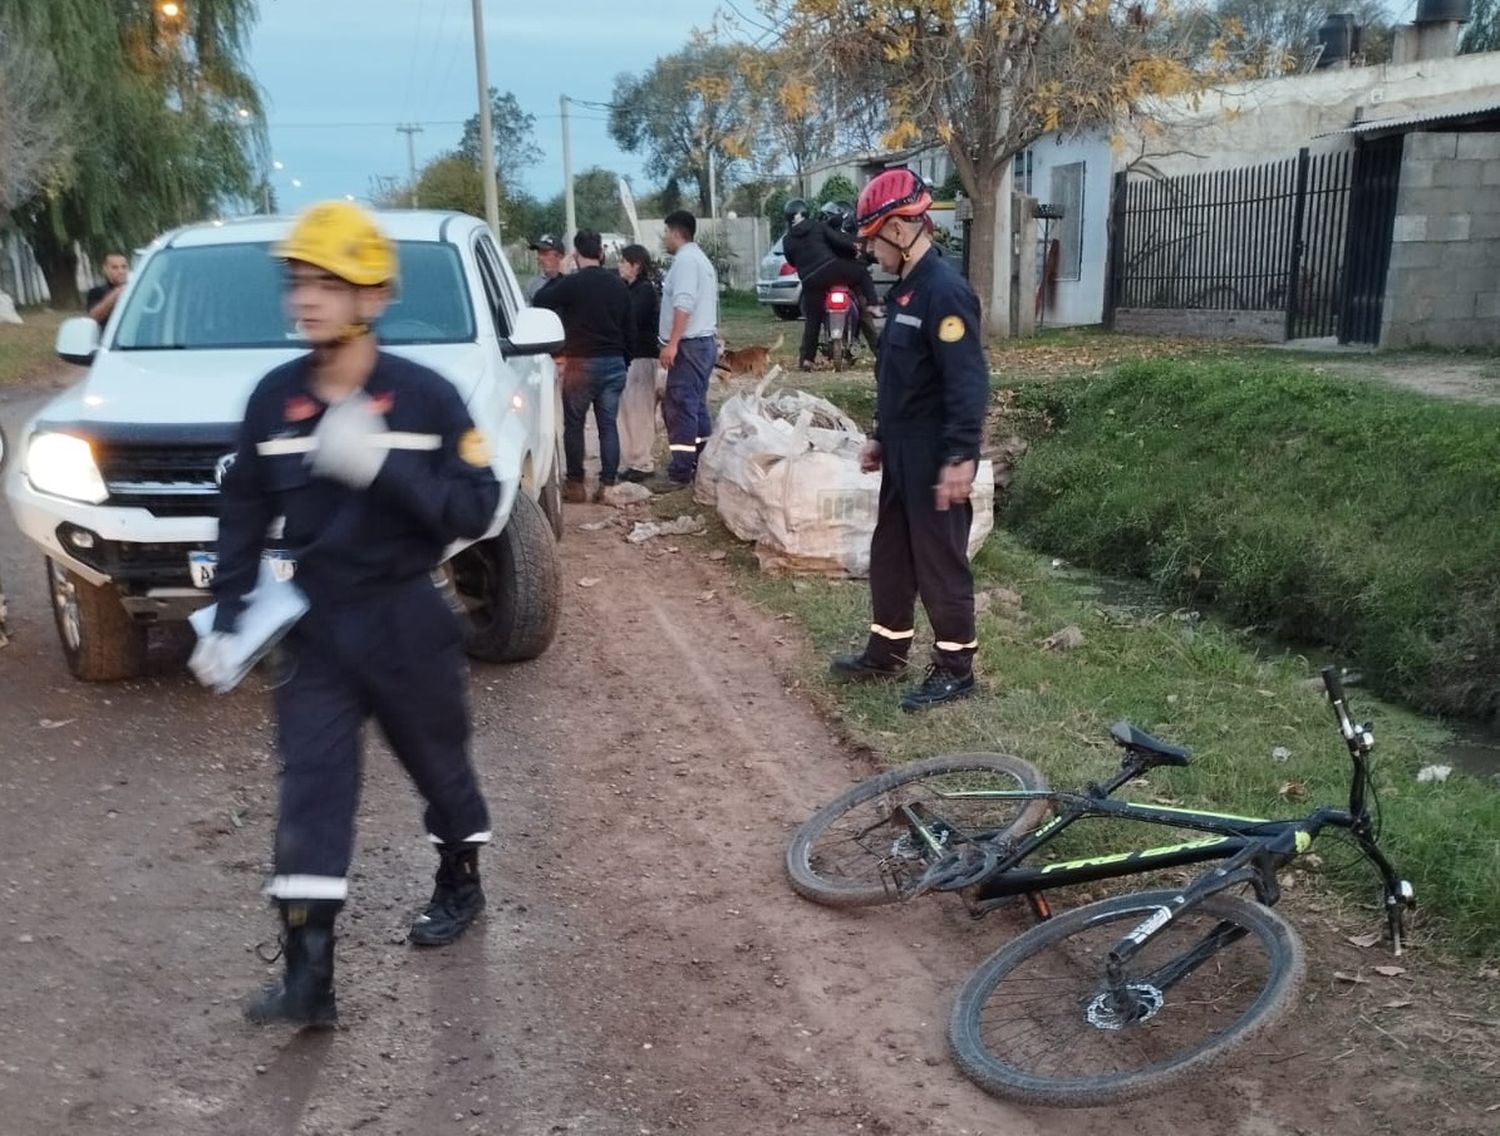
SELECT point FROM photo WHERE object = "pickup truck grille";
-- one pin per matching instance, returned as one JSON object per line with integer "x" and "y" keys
{"x": 167, "y": 480}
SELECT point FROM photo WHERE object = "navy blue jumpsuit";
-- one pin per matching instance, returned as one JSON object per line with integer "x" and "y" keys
{"x": 932, "y": 387}
{"x": 380, "y": 640}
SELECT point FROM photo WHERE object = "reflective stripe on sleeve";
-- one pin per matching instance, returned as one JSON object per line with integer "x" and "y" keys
{"x": 887, "y": 633}
{"x": 684, "y": 448}
{"x": 273, "y": 446}
{"x": 477, "y": 838}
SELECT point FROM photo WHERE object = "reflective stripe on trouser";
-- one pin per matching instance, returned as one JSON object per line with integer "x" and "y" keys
{"x": 397, "y": 657}
{"x": 685, "y": 405}
{"x": 917, "y": 550}
{"x": 637, "y": 416}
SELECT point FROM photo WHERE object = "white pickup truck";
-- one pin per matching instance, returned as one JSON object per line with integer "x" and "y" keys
{"x": 116, "y": 479}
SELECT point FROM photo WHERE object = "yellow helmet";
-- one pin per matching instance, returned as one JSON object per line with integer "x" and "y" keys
{"x": 343, "y": 239}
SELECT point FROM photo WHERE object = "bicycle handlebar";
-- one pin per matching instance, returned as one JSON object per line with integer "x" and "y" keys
{"x": 1334, "y": 684}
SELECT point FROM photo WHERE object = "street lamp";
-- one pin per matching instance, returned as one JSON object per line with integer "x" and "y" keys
{"x": 170, "y": 11}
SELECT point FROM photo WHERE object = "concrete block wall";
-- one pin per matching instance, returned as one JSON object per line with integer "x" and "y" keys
{"x": 1443, "y": 286}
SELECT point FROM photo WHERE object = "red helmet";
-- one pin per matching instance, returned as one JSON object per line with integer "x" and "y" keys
{"x": 893, "y": 193}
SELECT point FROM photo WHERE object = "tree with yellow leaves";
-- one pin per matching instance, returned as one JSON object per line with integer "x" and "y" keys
{"x": 987, "y": 78}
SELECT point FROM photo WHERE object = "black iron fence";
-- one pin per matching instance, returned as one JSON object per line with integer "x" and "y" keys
{"x": 1267, "y": 238}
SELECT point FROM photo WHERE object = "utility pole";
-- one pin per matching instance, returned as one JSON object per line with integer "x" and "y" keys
{"x": 486, "y": 126}
{"x": 411, "y": 129}
{"x": 570, "y": 214}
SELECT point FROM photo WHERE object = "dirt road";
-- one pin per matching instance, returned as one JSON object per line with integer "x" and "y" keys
{"x": 642, "y": 969}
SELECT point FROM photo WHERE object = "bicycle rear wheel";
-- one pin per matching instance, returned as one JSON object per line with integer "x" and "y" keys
{"x": 1036, "y": 1024}
{"x": 850, "y": 851}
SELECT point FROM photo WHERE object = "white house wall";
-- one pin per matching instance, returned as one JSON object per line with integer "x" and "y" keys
{"x": 1080, "y": 301}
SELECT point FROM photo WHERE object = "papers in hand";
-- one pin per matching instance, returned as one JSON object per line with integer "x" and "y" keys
{"x": 271, "y": 610}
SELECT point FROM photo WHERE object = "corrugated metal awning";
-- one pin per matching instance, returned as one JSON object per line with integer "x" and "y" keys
{"x": 1453, "y": 113}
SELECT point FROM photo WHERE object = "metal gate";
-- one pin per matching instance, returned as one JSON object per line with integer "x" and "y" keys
{"x": 1372, "y": 221}
{"x": 1286, "y": 237}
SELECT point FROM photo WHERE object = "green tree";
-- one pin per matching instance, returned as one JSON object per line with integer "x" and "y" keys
{"x": 1483, "y": 30}
{"x": 837, "y": 188}
{"x": 515, "y": 150}
{"x": 690, "y": 108}
{"x": 596, "y": 200}
{"x": 166, "y": 116}
{"x": 34, "y": 123}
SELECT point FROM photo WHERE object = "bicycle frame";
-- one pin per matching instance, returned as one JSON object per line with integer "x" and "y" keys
{"x": 1253, "y": 848}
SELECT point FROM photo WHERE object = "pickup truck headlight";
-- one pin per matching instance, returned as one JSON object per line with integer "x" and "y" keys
{"x": 64, "y": 466}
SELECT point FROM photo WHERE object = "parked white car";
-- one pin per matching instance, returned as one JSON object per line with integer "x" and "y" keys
{"x": 116, "y": 479}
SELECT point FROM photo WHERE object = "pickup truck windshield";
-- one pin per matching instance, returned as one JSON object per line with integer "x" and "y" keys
{"x": 227, "y": 296}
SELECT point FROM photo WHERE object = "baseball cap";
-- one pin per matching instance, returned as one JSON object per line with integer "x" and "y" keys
{"x": 547, "y": 243}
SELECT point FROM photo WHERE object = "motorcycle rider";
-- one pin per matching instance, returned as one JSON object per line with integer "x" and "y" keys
{"x": 825, "y": 256}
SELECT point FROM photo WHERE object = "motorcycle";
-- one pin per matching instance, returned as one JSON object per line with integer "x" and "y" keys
{"x": 841, "y": 315}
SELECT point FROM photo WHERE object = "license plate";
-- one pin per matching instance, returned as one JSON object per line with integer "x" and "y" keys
{"x": 202, "y": 565}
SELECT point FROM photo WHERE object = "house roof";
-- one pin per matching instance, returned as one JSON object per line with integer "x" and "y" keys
{"x": 1452, "y": 113}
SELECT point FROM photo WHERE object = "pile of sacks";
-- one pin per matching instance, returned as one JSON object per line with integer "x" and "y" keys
{"x": 783, "y": 471}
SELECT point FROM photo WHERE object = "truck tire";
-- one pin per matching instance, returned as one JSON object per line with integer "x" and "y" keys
{"x": 100, "y": 641}
{"x": 510, "y": 587}
{"x": 550, "y": 497}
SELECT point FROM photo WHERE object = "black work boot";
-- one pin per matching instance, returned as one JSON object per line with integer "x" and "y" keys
{"x": 864, "y": 667}
{"x": 941, "y": 685}
{"x": 456, "y": 901}
{"x": 304, "y": 996}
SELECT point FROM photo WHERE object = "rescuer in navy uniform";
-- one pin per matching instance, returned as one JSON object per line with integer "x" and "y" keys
{"x": 376, "y": 467}
{"x": 932, "y": 387}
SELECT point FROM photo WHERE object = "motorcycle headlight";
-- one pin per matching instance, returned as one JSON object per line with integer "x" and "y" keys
{"x": 64, "y": 466}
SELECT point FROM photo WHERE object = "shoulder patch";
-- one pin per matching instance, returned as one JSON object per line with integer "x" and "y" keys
{"x": 951, "y": 330}
{"x": 472, "y": 450}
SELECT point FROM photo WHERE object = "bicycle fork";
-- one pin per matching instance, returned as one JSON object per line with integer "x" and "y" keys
{"x": 1255, "y": 864}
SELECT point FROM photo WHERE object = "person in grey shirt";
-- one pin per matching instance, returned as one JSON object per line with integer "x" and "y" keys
{"x": 688, "y": 329}
{"x": 549, "y": 260}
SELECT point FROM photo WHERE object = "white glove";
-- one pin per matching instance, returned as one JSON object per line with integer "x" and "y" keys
{"x": 347, "y": 450}
{"x": 210, "y": 661}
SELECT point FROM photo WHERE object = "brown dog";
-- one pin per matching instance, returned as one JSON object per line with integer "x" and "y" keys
{"x": 751, "y": 361}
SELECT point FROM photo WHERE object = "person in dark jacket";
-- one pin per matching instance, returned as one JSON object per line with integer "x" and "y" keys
{"x": 932, "y": 388}
{"x": 638, "y": 403}
{"x": 824, "y": 256}
{"x": 594, "y": 304}
{"x": 375, "y": 467}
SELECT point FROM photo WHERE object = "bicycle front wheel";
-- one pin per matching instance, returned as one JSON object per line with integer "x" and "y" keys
{"x": 851, "y": 852}
{"x": 1038, "y": 1023}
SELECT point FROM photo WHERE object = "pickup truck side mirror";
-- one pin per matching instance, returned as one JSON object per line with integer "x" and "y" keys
{"x": 78, "y": 340}
{"x": 537, "y": 331}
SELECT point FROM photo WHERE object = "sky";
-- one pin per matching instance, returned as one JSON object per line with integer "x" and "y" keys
{"x": 338, "y": 76}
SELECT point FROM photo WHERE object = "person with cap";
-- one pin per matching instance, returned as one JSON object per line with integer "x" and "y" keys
{"x": 825, "y": 256}
{"x": 688, "y": 329}
{"x": 549, "y": 263}
{"x": 375, "y": 467}
{"x": 594, "y": 305}
{"x": 932, "y": 388}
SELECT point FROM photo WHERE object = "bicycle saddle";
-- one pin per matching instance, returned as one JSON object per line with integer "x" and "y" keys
{"x": 1138, "y": 740}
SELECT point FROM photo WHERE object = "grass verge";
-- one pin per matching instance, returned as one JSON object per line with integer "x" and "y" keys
{"x": 1325, "y": 510}
{"x": 26, "y": 350}
{"x": 1191, "y": 681}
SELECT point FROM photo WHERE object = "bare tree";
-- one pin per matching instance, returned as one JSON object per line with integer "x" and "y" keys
{"x": 33, "y": 120}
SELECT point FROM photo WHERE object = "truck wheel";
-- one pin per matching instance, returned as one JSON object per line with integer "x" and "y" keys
{"x": 99, "y": 639}
{"x": 510, "y": 588}
{"x": 551, "y": 495}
